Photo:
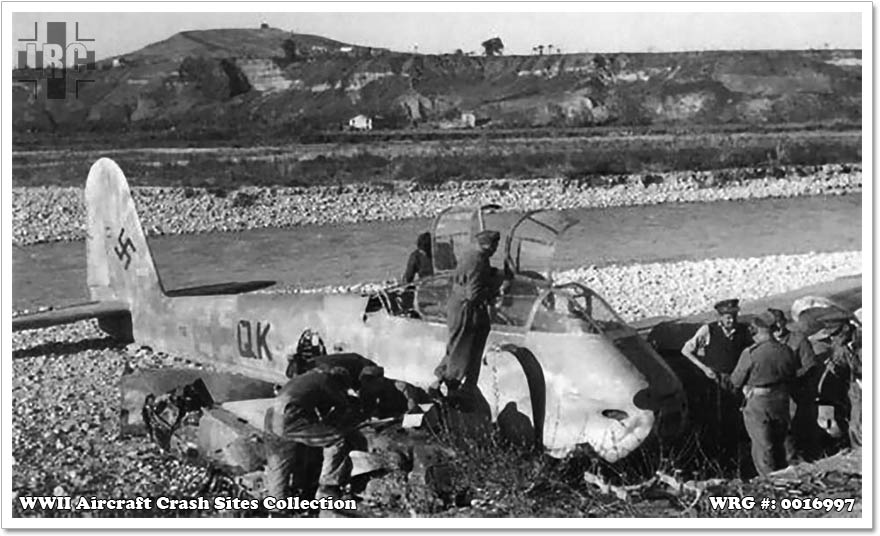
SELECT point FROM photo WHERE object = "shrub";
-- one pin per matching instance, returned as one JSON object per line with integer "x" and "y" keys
{"x": 244, "y": 199}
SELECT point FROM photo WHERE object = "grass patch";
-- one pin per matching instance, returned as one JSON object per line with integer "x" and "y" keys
{"x": 591, "y": 160}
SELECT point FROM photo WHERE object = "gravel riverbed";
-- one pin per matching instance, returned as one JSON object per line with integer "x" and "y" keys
{"x": 65, "y": 393}
{"x": 47, "y": 214}
{"x": 638, "y": 291}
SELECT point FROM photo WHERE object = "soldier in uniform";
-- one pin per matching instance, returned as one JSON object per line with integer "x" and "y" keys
{"x": 383, "y": 397}
{"x": 419, "y": 263}
{"x": 355, "y": 364}
{"x": 475, "y": 285}
{"x": 312, "y": 409}
{"x": 804, "y": 434}
{"x": 796, "y": 340}
{"x": 765, "y": 372}
{"x": 845, "y": 365}
{"x": 715, "y": 350}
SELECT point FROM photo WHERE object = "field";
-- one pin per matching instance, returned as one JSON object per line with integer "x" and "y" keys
{"x": 594, "y": 158}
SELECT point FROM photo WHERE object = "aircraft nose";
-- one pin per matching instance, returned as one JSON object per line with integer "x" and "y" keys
{"x": 615, "y": 414}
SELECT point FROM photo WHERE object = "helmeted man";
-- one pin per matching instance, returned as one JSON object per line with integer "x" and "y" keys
{"x": 765, "y": 372}
{"x": 475, "y": 285}
{"x": 803, "y": 438}
{"x": 420, "y": 262}
{"x": 312, "y": 409}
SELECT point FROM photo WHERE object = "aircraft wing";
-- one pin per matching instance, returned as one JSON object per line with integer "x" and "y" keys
{"x": 671, "y": 333}
{"x": 67, "y": 315}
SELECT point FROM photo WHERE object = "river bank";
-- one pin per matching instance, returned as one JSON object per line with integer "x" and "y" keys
{"x": 49, "y": 214}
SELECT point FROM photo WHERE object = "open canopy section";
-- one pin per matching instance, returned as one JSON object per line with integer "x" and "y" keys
{"x": 454, "y": 231}
{"x": 532, "y": 240}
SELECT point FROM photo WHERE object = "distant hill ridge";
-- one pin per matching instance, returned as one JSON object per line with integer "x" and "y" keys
{"x": 271, "y": 80}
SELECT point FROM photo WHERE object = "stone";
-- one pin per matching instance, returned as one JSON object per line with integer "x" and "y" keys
{"x": 433, "y": 470}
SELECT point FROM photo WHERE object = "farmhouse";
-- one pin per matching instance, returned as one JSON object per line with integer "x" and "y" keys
{"x": 360, "y": 122}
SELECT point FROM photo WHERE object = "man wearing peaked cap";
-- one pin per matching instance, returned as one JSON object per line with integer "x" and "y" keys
{"x": 714, "y": 350}
{"x": 474, "y": 286}
{"x": 725, "y": 307}
{"x": 765, "y": 372}
{"x": 720, "y": 342}
{"x": 831, "y": 324}
{"x": 845, "y": 363}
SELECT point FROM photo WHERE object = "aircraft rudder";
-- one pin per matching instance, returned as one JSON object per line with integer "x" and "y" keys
{"x": 120, "y": 264}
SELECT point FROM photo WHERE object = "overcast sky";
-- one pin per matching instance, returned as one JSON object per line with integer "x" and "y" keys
{"x": 118, "y": 33}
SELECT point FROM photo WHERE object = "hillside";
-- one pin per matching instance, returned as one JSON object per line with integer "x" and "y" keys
{"x": 236, "y": 81}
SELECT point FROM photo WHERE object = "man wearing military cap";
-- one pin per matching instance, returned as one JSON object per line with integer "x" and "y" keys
{"x": 794, "y": 339}
{"x": 475, "y": 285}
{"x": 720, "y": 342}
{"x": 714, "y": 350}
{"x": 845, "y": 364}
{"x": 804, "y": 434}
{"x": 765, "y": 372}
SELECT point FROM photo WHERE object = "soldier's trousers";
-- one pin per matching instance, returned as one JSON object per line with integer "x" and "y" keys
{"x": 766, "y": 417}
{"x": 855, "y": 416}
{"x": 469, "y": 325}
{"x": 281, "y": 452}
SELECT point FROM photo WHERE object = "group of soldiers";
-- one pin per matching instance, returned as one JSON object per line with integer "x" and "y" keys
{"x": 798, "y": 399}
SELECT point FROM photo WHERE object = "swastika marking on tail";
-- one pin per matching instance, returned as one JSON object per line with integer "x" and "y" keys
{"x": 122, "y": 250}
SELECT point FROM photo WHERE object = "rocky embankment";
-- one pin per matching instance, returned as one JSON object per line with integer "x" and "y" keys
{"x": 65, "y": 379}
{"x": 47, "y": 214}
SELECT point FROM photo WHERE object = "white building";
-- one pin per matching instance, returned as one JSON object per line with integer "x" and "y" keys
{"x": 360, "y": 122}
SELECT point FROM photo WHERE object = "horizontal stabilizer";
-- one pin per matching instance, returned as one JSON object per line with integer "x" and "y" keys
{"x": 67, "y": 315}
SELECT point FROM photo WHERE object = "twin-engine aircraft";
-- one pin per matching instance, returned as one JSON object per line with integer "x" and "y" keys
{"x": 559, "y": 352}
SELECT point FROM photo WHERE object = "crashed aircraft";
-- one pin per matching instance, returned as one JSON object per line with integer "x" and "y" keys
{"x": 558, "y": 352}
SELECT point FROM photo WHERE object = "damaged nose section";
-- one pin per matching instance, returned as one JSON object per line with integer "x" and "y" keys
{"x": 670, "y": 410}
{"x": 622, "y": 432}
{"x": 615, "y": 414}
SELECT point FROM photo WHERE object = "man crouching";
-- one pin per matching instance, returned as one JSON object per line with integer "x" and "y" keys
{"x": 313, "y": 409}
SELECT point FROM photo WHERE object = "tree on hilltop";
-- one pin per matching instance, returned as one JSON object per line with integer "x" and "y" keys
{"x": 493, "y": 47}
{"x": 290, "y": 50}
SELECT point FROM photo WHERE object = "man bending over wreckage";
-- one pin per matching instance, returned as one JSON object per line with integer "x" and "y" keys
{"x": 313, "y": 409}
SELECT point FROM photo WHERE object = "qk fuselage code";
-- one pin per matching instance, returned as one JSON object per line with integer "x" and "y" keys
{"x": 785, "y": 504}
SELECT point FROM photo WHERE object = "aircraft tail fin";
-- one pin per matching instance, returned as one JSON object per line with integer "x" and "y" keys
{"x": 120, "y": 264}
